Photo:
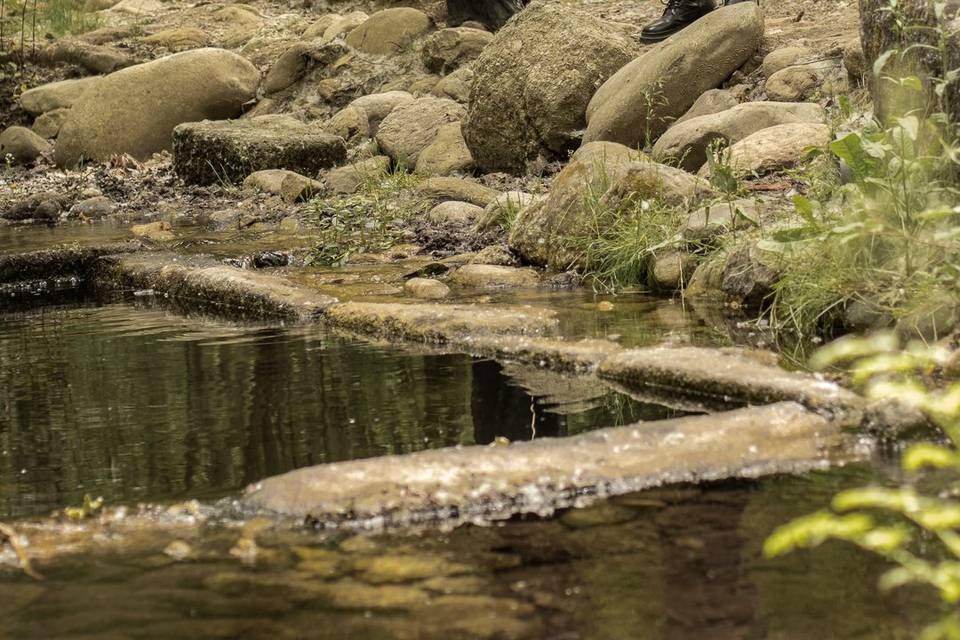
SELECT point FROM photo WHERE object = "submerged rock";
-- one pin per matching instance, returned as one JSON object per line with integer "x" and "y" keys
{"x": 230, "y": 150}
{"x": 488, "y": 276}
{"x": 135, "y": 110}
{"x": 637, "y": 104}
{"x": 533, "y": 83}
{"x": 160, "y": 231}
{"x": 381, "y": 569}
{"x": 426, "y": 288}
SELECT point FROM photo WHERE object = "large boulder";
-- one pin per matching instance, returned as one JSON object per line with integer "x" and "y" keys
{"x": 687, "y": 142}
{"x": 55, "y": 95}
{"x": 644, "y": 180}
{"x": 533, "y": 84}
{"x": 230, "y": 150}
{"x": 638, "y": 103}
{"x": 540, "y": 231}
{"x": 775, "y": 148}
{"x": 412, "y": 127}
{"x": 390, "y": 31}
{"x": 135, "y": 110}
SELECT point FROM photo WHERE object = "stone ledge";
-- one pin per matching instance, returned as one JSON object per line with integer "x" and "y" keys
{"x": 462, "y": 484}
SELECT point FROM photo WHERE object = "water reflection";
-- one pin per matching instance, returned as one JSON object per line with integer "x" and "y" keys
{"x": 669, "y": 564}
{"x": 141, "y": 404}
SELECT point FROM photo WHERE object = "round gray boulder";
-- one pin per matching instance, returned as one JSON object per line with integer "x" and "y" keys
{"x": 135, "y": 110}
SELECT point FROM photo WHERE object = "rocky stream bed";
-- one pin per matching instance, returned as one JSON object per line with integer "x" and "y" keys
{"x": 360, "y": 189}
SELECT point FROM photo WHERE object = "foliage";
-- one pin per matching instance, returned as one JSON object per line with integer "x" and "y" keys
{"x": 617, "y": 244}
{"x": 24, "y": 23}
{"x": 917, "y": 532}
{"x": 887, "y": 238}
{"x": 370, "y": 221}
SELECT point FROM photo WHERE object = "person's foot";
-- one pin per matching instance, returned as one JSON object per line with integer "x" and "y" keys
{"x": 677, "y": 15}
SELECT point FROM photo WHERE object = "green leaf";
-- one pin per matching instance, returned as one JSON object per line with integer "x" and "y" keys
{"x": 924, "y": 455}
{"x": 804, "y": 207}
{"x": 911, "y": 126}
{"x": 853, "y": 347}
{"x": 850, "y": 150}
{"x": 882, "y": 60}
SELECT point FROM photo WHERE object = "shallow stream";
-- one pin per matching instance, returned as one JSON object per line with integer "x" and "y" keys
{"x": 124, "y": 399}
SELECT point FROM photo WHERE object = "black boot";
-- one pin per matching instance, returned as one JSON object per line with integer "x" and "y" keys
{"x": 677, "y": 15}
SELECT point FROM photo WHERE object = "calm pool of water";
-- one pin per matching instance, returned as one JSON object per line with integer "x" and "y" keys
{"x": 134, "y": 403}
{"x": 141, "y": 404}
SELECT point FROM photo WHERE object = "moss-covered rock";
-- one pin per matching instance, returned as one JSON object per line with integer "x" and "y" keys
{"x": 534, "y": 81}
{"x": 230, "y": 150}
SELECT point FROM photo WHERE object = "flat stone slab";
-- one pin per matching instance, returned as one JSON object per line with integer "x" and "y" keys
{"x": 58, "y": 261}
{"x": 229, "y": 150}
{"x": 204, "y": 284}
{"x": 440, "y": 323}
{"x": 721, "y": 378}
{"x": 463, "y": 484}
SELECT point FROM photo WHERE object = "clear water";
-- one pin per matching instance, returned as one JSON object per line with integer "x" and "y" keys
{"x": 680, "y": 563}
{"x": 134, "y": 403}
{"x": 141, "y": 404}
